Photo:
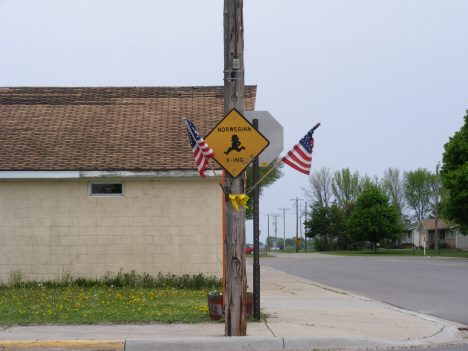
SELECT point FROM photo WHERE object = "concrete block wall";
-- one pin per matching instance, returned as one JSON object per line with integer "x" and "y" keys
{"x": 48, "y": 228}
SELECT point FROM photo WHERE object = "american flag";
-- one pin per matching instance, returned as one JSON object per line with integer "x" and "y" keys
{"x": 200, "y": 149}
{"x": 300, "y": 157}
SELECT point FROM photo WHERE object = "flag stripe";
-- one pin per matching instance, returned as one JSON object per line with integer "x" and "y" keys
{"x": 295, "y": 167}
{"x": 201, "y": 150}
{"x": 301, "y": 154}
{"x": 294, "y": 159}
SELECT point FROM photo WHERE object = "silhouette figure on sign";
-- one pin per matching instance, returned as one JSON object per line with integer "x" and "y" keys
{"x": 235, "y": 145}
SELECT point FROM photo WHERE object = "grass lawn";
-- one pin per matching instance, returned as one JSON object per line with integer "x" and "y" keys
{"x": 101, "y": 304}
{"x": 395, "y": 252}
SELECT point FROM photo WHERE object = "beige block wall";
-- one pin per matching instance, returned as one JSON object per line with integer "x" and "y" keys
{"x": 51, "y": 227}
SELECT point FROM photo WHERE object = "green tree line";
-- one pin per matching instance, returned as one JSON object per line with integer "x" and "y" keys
{"x": 349, "y": 211}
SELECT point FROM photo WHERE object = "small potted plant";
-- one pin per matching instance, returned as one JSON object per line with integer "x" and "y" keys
{"x": 215, "y": 305}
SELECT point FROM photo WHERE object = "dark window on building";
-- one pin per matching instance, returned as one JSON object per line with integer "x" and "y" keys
{"x": 106, "y": 189}
{"x": 442, "y": 234}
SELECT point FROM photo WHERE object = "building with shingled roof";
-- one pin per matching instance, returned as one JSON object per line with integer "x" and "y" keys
{"x": 422, "y": 233}
{"x": 102, "y": 179}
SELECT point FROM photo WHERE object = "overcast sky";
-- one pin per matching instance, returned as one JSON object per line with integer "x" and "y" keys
{"x": 388, "y": 80}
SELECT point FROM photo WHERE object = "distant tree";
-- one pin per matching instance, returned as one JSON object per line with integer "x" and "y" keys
{"x": 291, "y": 242}
{"x": 442, "y": 201}
{"x": 393, "y": 184}
{"x": 374, "y": 219}
{"x": 337, "y": 223}
{"x": 343, "y": 242}
{"x": 276, "y": 174}
{"x": 325, "y": 223}
{"x": 454, "y": 176}
{"x": 281, "y": 243}
{"x": 368, "y": 182}
{"x": 345, "y": 187}
{"x": 272, "y": 241}
{"x": 420, "y": 192}
{"x": 319, "y": 189}
{"x": 405, "y": 219}
{"x": 317, "y": 227}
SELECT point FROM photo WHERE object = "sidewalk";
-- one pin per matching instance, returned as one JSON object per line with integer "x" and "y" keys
{"x": 301, "y": 315}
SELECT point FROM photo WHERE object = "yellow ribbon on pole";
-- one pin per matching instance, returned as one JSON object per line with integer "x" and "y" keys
{"x": 239, "y": 199}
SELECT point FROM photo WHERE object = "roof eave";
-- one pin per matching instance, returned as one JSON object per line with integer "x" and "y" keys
{"x": 17, "y": 175}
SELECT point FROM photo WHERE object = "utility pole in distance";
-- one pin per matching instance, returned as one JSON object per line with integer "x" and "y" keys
{"x": 436, "y": 224}
{"x": 305, "y": 220}
{"x": 268, "y": 235}
{"x": 300, "y": 225}
{"x": 234, "y": 221}
{"x": 297, "y": 220}
{"x": 284, "y": 226}
{"x": 275, "y": 216}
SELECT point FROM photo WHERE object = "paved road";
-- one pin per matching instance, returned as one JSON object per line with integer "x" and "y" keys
{"x": 446, "y": 348}
{"x": 434, "y": 286}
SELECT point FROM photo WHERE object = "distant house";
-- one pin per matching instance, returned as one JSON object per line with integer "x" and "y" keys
{"x": 426, "y": 229}
{"x": 410, "y": 235}
{"x": 98, "y": 179}
{"x": 461, "y": 241}
{"x": 423, "y": 231}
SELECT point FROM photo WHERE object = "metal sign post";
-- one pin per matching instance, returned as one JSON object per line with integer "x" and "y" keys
{"x": 256, "y": 228}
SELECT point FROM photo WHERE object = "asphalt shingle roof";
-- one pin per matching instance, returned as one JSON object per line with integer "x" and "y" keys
{"x": 429, "y": 224}
{"x": 410, "y": 226}
{"x": 110, "y": 128}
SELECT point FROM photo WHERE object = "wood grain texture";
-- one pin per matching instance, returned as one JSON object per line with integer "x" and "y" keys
{"x": 235, "y": 274}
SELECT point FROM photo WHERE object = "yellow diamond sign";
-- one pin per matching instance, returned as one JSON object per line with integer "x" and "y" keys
{"x": 236, "y": 143}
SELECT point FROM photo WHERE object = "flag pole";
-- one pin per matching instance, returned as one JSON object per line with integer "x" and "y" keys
{"x": 220, "y": 184}
{"x": 207, "y": 161}
{"x": 277, "y": 163}
{"x": 255, "y": 185}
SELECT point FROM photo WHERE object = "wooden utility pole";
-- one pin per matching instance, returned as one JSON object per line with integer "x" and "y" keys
{"x": 297, "y": 220}
{"x": 235, "y": 272}
{"x": 275, "y": 216}
{"x": 436, "y": 224}
{"x": 268, "y": 234}
{"x": 284, "y": 226}
{"x": 305, "y": 220}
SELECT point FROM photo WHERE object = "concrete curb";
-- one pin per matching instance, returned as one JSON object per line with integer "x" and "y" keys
{"x": 224, "y": 343}
{"x": 67, "y": 344}
{"x": 448, "y": 334}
